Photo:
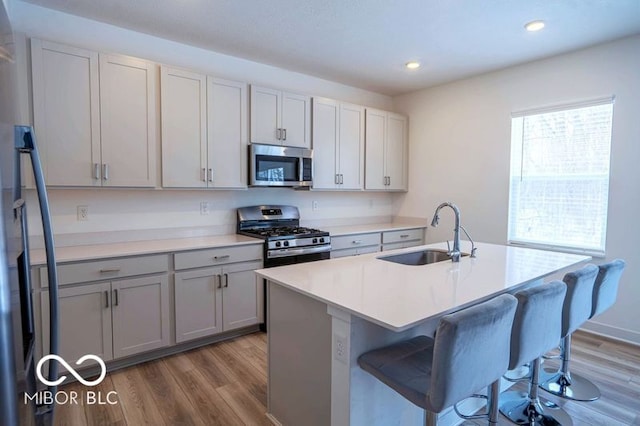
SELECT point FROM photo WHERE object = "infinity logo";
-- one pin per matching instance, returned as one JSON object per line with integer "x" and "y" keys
{"x": 71, "y": 370}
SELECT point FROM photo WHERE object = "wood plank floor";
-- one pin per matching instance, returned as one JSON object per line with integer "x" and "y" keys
{"x": 226, "y": 384}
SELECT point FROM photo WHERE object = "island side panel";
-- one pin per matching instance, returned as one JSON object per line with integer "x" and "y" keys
{"x": 299, "y": 346}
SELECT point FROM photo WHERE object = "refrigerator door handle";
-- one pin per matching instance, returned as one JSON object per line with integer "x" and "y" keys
{"x": 25, "y": 143}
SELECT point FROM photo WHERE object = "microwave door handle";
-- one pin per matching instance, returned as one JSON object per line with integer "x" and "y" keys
{"x": 26, "y": 143}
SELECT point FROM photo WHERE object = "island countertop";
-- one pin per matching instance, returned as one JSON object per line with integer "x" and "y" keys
{"x": 398, "y": 296}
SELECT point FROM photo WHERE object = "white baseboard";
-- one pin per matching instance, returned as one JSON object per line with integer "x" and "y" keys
{"x": 617, "y": 333}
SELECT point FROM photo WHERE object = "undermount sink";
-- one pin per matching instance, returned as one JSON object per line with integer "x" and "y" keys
{"x": 422, "y": 257}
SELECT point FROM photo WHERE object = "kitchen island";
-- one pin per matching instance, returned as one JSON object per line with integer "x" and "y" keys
{"x": 323, "y": 315}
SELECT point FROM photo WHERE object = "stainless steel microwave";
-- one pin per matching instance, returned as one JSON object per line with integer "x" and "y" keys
{"x": 273, "y": 165}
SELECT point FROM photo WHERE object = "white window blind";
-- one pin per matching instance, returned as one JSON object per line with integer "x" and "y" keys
{"x": 559, "y": 180}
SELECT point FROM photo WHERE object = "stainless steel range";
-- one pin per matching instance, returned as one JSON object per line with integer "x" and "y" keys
{"x": 286, "y": 242}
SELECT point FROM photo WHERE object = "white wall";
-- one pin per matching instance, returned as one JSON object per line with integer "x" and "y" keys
{"x": 113, "y": 212}
{"x": 460, "y": 147}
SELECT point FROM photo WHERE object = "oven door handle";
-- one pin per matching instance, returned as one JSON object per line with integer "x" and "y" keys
{"x": 271, "y": 254}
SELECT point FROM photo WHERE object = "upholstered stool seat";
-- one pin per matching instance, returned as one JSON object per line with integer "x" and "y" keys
{"x": 536, "y": 330}
{"x": 589, "y": 294}
{"x": 470, "y": 351}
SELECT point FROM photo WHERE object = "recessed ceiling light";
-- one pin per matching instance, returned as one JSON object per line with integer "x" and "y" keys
{"x": 412, "y": 65}
{"x": 534, "y": 26}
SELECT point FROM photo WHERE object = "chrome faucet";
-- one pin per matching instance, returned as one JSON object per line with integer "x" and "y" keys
{"x": 455, "y": 252}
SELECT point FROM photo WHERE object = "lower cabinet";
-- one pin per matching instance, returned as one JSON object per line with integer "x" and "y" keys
{"x": 392, "y": 240}
{"x": 355, "y": 244}
{"x": 111, "y": 319}
{"x": 216, "y": 299}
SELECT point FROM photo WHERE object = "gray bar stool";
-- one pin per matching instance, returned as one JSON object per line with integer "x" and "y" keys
{"x": 602, "y": 296}
{"x": 470, "y": 351}
{"x": 536, "y": 330}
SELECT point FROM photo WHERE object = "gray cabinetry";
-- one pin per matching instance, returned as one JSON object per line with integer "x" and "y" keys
{"x": 218, "y": 298}
{"x": 114, "y": 317}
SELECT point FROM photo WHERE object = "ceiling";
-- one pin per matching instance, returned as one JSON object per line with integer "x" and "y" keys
{"x": 365, "y": 43}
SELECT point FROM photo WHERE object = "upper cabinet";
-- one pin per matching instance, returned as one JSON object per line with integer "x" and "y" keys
{"x": 66, "y": 112}
{"x": 280, "y": 118}
{"x": 128, "y": 121}
{"x": 338, "y": 145}
{"x": 95, "y": 116}
{"x": 386, "y": 151}
{"x": 204, "y": 131}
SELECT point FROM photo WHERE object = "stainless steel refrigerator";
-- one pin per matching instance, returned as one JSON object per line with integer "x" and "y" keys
{"x": 17, "y": 331}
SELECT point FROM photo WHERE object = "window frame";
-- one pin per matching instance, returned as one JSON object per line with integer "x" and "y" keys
{"x": 598, "y": 253}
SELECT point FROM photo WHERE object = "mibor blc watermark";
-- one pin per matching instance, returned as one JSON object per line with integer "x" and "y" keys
{"x": 87, "y": 397}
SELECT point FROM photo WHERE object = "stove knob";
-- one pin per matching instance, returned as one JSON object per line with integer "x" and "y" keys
{"x": 315, "y": 241}
{"x": 277, "y": 243}
{"x": 286, "y": 243}
{"x": 322, "y": 240}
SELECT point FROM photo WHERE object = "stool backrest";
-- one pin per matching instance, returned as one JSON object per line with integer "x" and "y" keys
{"x": 538, "y": 322}
{"x": 471, "y": 350}
{"x": 605, "y": 289}
{"x": 579, "y": 299}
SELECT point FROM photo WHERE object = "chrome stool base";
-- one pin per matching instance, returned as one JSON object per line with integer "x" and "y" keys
{"x": 576, "y": 388}
{"x": 522, "y": 410}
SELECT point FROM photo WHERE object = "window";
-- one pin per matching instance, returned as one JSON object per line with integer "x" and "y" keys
{"x": 559, "y": 180}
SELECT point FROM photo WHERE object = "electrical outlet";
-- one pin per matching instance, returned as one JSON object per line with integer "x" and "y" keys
{"x": 314, "y": 205}
{"x": 341, "y": 347}
{"x": 83, "y": 213}
{"x": 204, "y": 208}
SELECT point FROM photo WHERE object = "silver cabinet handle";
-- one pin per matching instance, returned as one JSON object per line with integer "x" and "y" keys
{"x": 115, "y": 297}
{"x": 96, "y": 171}
{"x": 210, "y": 175}
{"x": 226, "y": 280}
{"x": 105, "y": 171}
{"x": 285, "y": 134}
{"x": 106, "y": 298}
{"x": 109, "y": 270}
{"x": 389, "y": 180}
{"x": 223, "y": 257}
{"x": 279, "y": 134}
{"x": 203, "y": 175}
{"x": 219, "y": 278}
{"x": 356, "y": 242}
{"x": 404, "y": 236}
{"x": 341, "y": 179}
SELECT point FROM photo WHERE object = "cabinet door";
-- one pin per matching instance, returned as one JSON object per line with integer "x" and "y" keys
{"x": 296, "y": 120}
{"x": 351, "y": 146}
{"x": 242, "y": 295}
{"x": 375, "y": 132}
{"x": 198, "y": 303}
{"x": 325, "y": 141}
{"x": 66, "y": 112}
{"x": 85, "y": 321}
{"x": 128, "y": 124}
{"x": 184, "y": 128}
{"x": 396, "y": 152}
{"x": 141, "y": 315}
{"x": 265, "y": 111}
{"x": 227, "y": 121}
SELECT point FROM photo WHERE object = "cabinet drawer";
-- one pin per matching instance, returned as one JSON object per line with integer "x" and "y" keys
{"x": 355, "y": 240}
{"x": 218, "y": 256}
{"x": 108, "y": 269}
{"x": 401, "y": 245}
{"x": 402, "y": 235}
{"x": 354, "y": 251}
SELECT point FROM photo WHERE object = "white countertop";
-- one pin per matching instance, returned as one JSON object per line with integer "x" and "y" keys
{"x": 399, "y": 296}
{"x": 133, "y": 248}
